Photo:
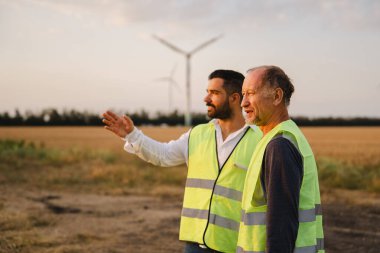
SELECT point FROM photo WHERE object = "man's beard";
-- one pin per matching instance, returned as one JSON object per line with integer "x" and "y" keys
{"x": 255, "y": 121}
{"x": 223, "y": 112}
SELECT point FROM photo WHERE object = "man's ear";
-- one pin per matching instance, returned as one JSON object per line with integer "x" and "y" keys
{"x": 235, "y": 97}
{"x": 278, "y": 96}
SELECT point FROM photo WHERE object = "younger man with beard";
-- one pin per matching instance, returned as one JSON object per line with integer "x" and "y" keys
{"x": 217, "y": 155}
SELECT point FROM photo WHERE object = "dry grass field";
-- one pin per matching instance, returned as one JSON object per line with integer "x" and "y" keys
{"x": 348, "y": 157}
{"x": 359, "y": 146}
{"x": 356, "y": 145}
{"x": 74, "y": 189}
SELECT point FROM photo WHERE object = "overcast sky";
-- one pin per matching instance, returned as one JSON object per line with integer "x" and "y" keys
{"x": 97, "y": 54}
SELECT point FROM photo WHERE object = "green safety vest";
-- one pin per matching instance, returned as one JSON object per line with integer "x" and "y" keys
{"x": 252, "y": 232}
{"x": 212, "y": 201}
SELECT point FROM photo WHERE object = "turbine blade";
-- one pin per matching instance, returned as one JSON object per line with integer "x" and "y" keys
{"x": 168, "y": 44}
{"x": 162, "y": 79}
{"x": 173, "y": 83}
{"x": 203, "y": 45}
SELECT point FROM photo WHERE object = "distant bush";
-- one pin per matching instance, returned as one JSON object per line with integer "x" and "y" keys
{"x": 52, "y": 117}
{"x": 337, "y": 121}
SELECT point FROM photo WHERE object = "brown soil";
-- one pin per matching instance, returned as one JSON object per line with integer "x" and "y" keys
{"x": 38, "y": 221}
{"x": 32, "y": 221}
{"x": 351, "y": 221}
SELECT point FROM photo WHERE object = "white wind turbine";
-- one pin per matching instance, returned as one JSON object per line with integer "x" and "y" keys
{"x": 171, "y": 84}
{"x": 188, "y": 57}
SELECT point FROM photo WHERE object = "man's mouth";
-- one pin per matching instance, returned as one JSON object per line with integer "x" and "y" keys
{"x": 248, "y": 112}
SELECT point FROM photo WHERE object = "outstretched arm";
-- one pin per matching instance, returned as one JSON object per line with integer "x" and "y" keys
{"x": 162, "y": 154}
{"x": 121, "y": 126}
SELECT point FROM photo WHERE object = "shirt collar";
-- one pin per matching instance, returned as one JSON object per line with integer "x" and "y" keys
{"x": 252, "y": 126}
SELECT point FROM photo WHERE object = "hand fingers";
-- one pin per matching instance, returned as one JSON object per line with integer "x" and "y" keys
{"x": 108, "y": 128}
{"x": 107, "y": 122}
{"x": 128, "y": 119}
{"x": 113, "y": 115}
{"x": 108, "y": 117}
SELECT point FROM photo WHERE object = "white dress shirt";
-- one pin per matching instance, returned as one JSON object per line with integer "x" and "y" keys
{"x": 175, "y": 152}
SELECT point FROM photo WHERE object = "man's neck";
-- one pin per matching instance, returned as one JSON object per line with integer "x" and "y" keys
{"x": 231, "y": 125}
{"x": 274, "y": 120}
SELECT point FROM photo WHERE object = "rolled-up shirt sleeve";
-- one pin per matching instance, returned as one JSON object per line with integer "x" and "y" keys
{"x": 164, "y": 154}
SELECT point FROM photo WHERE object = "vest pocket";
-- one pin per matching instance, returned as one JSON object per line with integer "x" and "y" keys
{"x": 240, "y": 166}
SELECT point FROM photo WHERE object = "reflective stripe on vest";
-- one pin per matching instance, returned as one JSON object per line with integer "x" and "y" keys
{"x": 252, "y": 230}
{"x": 259, "y": 218}
{"x": 218, "y": 190}
{"x": 212, "y": 201}
{"x": 214, "y": 219}
{"x": 308, "y": 249}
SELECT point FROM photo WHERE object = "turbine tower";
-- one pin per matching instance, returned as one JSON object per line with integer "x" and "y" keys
{"x": 188, "y": 57}
{"x": 171, "y": 83}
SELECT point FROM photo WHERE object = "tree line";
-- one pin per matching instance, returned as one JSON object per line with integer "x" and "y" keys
{"x": 52, "y": 117}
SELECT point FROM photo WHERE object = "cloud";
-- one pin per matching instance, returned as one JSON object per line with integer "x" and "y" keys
{"x": 355, "y": 15}
{"x": 190, "y": 16}
{"x": 134, "y": 11}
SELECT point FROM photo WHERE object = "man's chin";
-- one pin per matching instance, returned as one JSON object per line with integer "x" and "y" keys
{"x": 249, "y": 122}
{"x": 210, "y": 114}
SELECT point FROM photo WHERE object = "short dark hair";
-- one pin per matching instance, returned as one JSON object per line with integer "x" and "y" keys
{"x": 275, "y": 77}
{"x": 233, "y": 81}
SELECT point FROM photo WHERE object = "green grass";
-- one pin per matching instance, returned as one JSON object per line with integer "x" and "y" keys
{"x": 78, "y": 169}
{"x": 14, "y": 151}
{"x": 338, "y": 174}
{"x": 96, "y": 170}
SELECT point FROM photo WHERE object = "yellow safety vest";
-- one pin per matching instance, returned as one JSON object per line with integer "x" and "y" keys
{"x": 212, "y": 202}
{"x": 252, "y": 232}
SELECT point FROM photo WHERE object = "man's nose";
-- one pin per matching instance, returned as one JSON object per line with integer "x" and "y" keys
{"x": 206, "y": 99}
{"x": 244, "y": 102}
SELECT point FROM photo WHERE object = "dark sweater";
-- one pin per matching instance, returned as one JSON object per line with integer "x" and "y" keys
{"x": 281, "y": 179}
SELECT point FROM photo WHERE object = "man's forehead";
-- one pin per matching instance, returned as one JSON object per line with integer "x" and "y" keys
{"x": 259, "y": 70}
{"x": 253, "y": 78}
{"x": 216, "y": 80}
{"x": 251, "y": 83}
{"x": 256, "y": 73}
{"x": 215, "y": 83}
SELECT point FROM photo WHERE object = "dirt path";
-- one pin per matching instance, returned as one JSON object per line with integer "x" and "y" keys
{"x": 352, "y": 228}
{"x": 43, "y": 221}
{"x": 37, "y": 221}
